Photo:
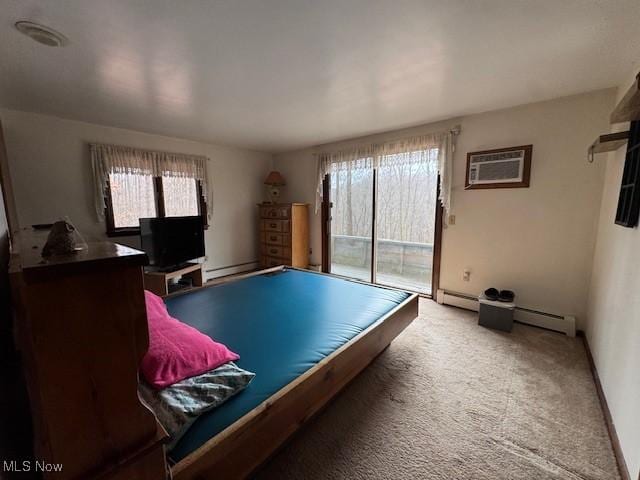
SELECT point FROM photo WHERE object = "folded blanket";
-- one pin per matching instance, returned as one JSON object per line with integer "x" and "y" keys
{"x": 179, "y": 405}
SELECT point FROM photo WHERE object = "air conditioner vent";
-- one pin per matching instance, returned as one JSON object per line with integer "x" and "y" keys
{"x": 500, "y": 171}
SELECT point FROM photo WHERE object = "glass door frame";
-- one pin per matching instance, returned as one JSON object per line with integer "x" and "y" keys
{"x": 325, "y": 215}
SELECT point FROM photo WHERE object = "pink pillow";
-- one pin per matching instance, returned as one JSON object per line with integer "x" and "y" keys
{"x": 176, "y": 350}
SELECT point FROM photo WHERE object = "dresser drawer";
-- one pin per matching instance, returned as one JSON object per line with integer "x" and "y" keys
{"x": 276, "y": 251}
{"x": 268, "y": 262}
{"x": 274, "y": 238}
{"x": 275, "y": 212}
{"x": 282, "y": 226}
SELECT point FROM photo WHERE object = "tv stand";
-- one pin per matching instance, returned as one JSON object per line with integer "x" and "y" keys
{"x": 158, "y": 281}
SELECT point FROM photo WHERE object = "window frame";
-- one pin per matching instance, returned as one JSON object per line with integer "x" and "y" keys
{"x": 158, "y": 195}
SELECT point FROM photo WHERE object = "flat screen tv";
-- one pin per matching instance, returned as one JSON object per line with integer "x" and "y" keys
{"x": 172, "y": 241}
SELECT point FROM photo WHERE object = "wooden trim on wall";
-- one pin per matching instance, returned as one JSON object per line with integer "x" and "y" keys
{"x": 613, "y": 435}
{"x": 526, "y": 172}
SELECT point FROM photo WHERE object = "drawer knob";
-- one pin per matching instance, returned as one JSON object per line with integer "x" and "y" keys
{"x": 273, "y": 225}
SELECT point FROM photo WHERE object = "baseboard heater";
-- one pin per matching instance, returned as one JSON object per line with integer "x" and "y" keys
{"x": 559, "y": 323}
{"x": 230, "y": 270}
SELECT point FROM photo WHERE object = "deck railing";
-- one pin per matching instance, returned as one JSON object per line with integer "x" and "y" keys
{"x": 408, "y": 259}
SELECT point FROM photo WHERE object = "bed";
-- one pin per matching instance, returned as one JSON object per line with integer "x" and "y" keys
{"x": 304, "y": 334}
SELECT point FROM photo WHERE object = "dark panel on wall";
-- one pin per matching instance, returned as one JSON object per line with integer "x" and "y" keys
{"x": 629, "y": 200}
{"x": 15, "y": 416}
{"x": 5, "y": 316}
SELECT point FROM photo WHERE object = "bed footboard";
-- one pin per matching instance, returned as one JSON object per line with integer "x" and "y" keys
{"x": 241, "y": 448}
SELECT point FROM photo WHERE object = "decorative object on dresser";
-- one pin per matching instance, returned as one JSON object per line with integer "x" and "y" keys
{"x": 284, "y": 234}
{"x": 273, "y": 181}
{"x": 81, "y": 328}
{"x": 63, "y": 239}
{"x": 499, "y": 168}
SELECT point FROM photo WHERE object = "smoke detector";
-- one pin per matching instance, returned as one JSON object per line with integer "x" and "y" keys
{"x": 42, "y": 34}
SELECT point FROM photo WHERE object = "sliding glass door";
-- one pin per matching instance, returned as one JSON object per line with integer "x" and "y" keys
{"x": 405, "y": 213}
{"x": 383, "y": 220}
{"x": 352, "y": 221}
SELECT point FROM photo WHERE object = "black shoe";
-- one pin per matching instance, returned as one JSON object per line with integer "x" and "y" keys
{"x": 492, "y": 294}
{"x": 506, "y": 296}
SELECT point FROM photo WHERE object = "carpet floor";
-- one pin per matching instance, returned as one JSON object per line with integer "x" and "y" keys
{"x": 452, "y": 400}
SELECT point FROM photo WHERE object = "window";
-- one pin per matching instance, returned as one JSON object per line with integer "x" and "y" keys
{"x": 180, "y": 196}
{"x": 130, "y": 197}
{"x": 132, "y": 183}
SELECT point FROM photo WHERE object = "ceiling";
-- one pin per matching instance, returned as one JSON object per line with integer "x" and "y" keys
{"x": 276, "y": 75}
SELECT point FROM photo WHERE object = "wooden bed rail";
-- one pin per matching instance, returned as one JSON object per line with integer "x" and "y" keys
{"x": 242, "y": 447}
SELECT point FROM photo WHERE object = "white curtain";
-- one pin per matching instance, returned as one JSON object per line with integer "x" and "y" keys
{"x": 415, "y": 149}
{"x": 132, "y": 198}
{"x": 114, "y": 159}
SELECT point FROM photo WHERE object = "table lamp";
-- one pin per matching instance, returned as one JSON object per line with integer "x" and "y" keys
{"x": 273, "y": 181}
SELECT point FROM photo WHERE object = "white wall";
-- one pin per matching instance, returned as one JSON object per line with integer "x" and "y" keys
{"x": 51, "y": 173}
{"x": 538, "y": 241}
{"x": 613, "y": 327}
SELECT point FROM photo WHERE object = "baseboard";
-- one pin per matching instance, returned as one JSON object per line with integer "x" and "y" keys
{"x": 212, "y": 273}
{"x": 613, "y": 435}
{"x": 560, "y": 323}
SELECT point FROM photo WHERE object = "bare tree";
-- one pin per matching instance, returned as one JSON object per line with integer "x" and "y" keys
{"x": 406, "y": 199}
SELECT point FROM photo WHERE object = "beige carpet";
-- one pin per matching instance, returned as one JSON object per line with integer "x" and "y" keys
{"x": 452, "y": 400}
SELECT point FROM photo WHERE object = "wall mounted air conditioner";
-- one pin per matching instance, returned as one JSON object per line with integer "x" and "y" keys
{"x": 504, "y": 167}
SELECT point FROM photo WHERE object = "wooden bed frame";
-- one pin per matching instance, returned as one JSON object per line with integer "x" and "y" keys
{"x": 241, "y": 448}
{"x": 73, "y": 315}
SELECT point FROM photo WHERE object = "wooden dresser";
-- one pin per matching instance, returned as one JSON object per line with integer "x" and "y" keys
{"x": 81, "y": 330}
{"x": 284, "y": 234}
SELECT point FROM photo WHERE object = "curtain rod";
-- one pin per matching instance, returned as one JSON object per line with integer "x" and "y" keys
{"x": 146, "y": 150}
{"x": 455, "y": 131}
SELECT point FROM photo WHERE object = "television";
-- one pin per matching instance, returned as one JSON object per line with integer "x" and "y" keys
{"x": 172, "y": 241}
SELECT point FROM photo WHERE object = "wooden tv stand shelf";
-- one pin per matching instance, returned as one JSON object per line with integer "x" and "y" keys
{"x": 158, "y": 282}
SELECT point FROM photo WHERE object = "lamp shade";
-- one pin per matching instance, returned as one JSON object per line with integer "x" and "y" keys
{"x": 274, "y": 178}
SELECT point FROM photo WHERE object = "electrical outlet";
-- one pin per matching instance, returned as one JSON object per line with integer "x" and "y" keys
{"x": 452, "y": 219}
{"x": 466, "y": 275}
